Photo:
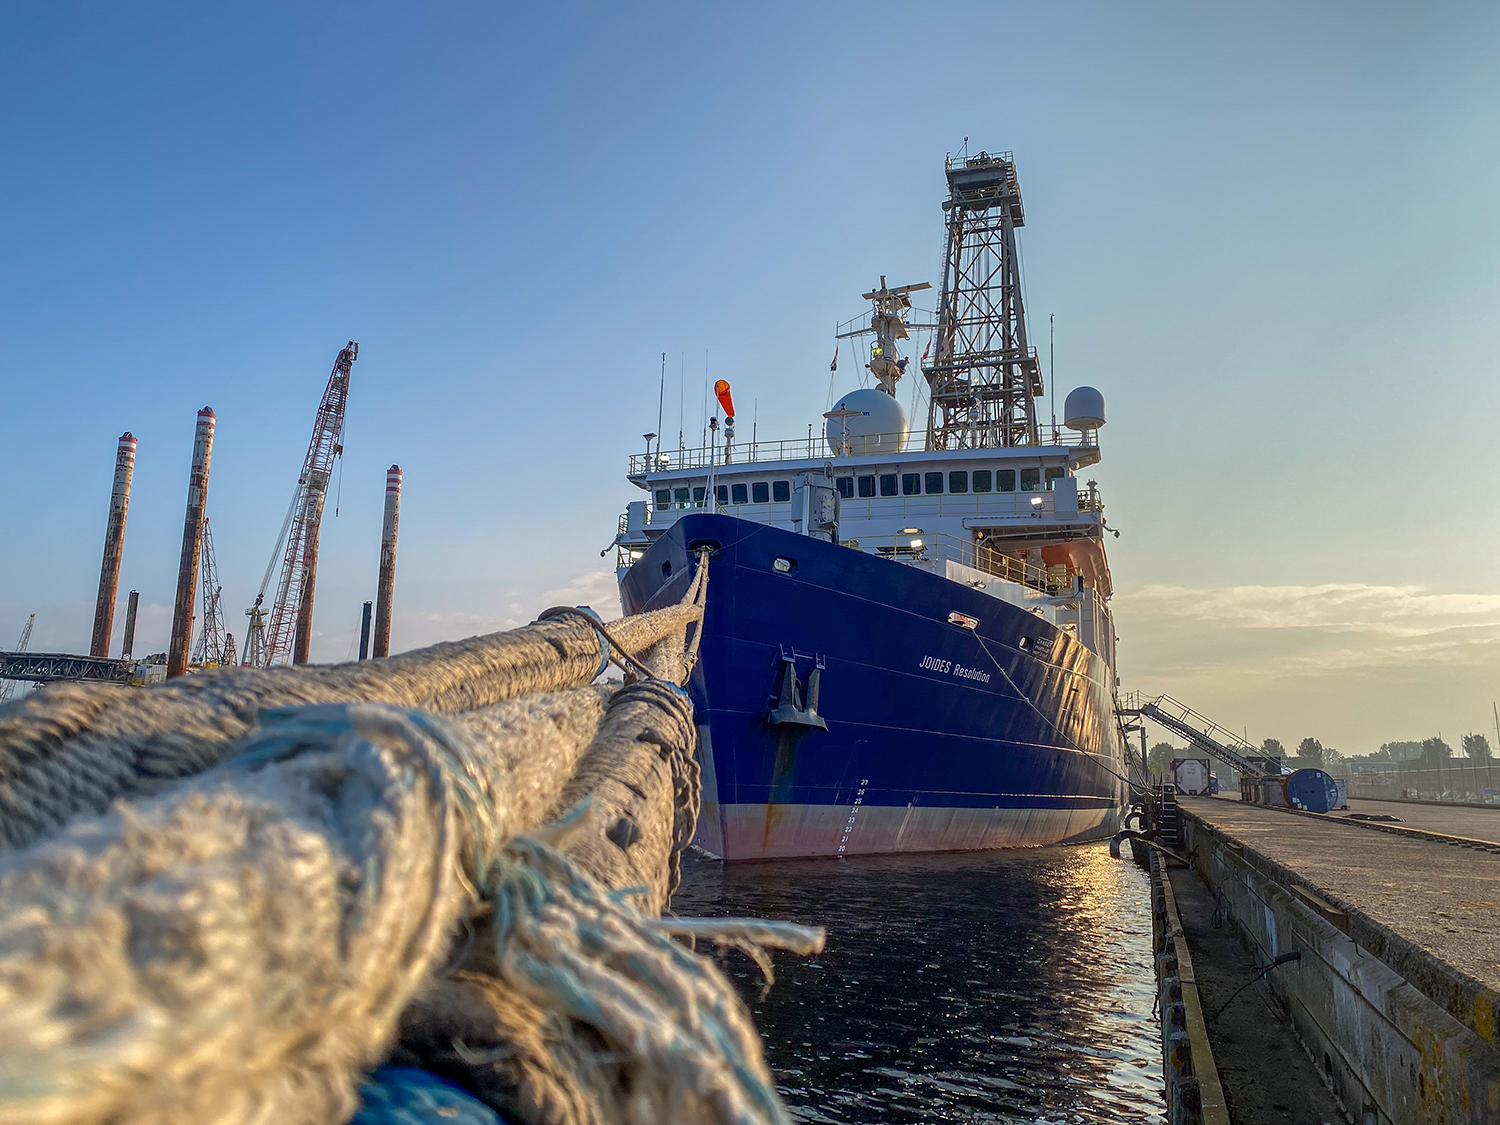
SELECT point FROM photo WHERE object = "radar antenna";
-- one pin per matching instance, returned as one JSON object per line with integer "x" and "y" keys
{"x": 888, "y": 322}
{"x": 984, "y": 378}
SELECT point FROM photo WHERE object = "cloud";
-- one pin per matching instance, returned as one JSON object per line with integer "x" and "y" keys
{"x": 597, "y": 589}
{"x": 1396, "y": 611}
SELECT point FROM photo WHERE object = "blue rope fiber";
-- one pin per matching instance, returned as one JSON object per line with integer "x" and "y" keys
{"x": 405, "y": 1095}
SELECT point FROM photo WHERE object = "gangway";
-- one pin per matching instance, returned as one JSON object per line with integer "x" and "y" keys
{"x": 1199, "y": 730}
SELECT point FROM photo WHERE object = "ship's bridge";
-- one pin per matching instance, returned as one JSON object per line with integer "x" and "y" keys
{"x": 1012, "y": 511}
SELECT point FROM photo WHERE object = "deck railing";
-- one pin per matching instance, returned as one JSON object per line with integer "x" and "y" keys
{"x": 815, "y": 447}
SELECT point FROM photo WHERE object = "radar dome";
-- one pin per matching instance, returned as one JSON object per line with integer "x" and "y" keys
{"x": 1083, "y": 409}
{"x": 876, "y": 424}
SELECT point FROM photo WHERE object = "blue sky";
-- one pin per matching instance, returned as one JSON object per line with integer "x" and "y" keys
{"x": 1267, "y": 232}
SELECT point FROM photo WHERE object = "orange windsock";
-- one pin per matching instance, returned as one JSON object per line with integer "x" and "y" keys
{"x": 721, "y": 392}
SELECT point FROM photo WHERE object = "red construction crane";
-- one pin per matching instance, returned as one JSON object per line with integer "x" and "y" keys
{"x": 282, "y": 633}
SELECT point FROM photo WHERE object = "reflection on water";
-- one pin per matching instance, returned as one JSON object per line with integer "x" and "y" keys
{"x": 994, "y": 986}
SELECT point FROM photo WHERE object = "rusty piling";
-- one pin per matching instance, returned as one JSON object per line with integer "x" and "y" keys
{"x": 114, "y": 542}
{"x": 386, "y": 587}
{"x": 131, "y": 606}
{"x": 192, "y": 544}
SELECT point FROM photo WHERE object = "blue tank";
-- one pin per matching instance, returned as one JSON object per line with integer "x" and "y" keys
{"x": 1311, "y": 791}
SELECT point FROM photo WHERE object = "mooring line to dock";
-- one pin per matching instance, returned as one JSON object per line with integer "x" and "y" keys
{"x": 358, "y": 883}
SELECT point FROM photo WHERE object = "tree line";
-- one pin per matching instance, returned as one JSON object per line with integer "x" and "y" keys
{"x": 1430, "y": 753}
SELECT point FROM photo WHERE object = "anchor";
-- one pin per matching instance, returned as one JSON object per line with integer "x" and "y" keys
{"x": 788, "y": 710}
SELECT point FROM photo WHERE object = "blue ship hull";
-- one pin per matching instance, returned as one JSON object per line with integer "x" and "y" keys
{"x": 938, "y": 737}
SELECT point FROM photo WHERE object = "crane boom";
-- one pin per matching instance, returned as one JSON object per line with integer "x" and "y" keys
{"x": 8, "y": 687}
{"x": 279, "y": 635}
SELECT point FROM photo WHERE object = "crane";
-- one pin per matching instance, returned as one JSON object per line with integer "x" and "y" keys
{"x": 8, "y": 687}
{"x": 281, "y": 634}
{"x": 215, "y": 643}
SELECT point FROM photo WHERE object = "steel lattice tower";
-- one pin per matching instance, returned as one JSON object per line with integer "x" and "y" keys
{"x": 984, "y": 379}
{"x": 213, "y": 640}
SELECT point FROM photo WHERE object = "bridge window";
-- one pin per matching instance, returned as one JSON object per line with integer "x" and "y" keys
{"x": 911, "y": 484}
{"x": 888, "y": 484}
{"x": 760, "y": 492}
{"x": 1006, "y": 479}
{"x": 680, "y": 497}
{"x": 781, "y": 491}
{"x": 721, "y": 493}
{"x": 698, "y": 495}
{"x": 1031, "y": 479}
{"x": 1052, "y": 474}
{"x": 958, "y": 481}
{"x": 981, "y": 480}
{"x": 867, "y": 486}
{"x": 934, "y": 483}
{"x": 741, "y": 493}
{"x": 846, "y": 487}
{"x": 663, "y": 499}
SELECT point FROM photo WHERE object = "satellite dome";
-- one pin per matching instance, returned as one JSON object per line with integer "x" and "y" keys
{"x": 1083, "y": 409}
{"x": 878, "y": 427}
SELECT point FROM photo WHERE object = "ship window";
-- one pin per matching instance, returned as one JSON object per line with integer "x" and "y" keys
{"x": 958, "y": 481}
{"x": 663, "y": 499}
{"x": 760, "y": 492}
{"x": 846, "y": 487}
{"x": 934, "y": 483}
{"x": 721, "y": 493}
{"x": 1031, "y": 479}
{"x": 888, "y": 484}
{"x": 741, "y": 494}
{"x": 867, "y": 486}
{"x": 781, "y": 491}
{"x": 1052, "y": 474}
{"x": 681, "y": 497}
{"x": 981, "y": 480}
{"x": 698, "y": 495}
{"x": 1006, "y": 479}
{"x": 911, "y": 484}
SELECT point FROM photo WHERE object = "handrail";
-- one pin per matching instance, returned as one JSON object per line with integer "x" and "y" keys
{"x": 940, "y": 546}
{"x": 1199, "y": 730}
{"x": 815, "y": 447}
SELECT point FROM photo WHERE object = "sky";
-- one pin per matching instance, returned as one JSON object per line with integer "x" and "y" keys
{"x": 1266, "y": 232}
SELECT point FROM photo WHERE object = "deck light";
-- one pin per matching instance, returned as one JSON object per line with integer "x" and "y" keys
{"x": 916, "y": 542}
{"x": 910, "y": 531}
{"x": 1036, "y": 501}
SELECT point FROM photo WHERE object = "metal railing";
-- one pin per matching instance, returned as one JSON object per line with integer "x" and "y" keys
{"x": 924, "y": 548}
{"x": 815, "y": 447}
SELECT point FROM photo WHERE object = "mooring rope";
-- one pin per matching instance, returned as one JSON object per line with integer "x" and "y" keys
{"x": 359, "y": 884}
{"x": 74, "y": 748}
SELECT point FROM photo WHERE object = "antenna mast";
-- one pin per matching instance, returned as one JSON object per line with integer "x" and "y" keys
{"x": 985, "y": 377}
{"x": 283, "y": 633}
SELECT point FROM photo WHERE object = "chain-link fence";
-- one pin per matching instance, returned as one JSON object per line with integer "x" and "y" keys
{"x": 1457, "y": 779}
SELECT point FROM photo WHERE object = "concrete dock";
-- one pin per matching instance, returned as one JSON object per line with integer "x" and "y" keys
{"x": 1396, "y": 993}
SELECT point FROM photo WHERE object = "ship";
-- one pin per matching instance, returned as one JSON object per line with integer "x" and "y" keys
{"x": 908, "y": 644}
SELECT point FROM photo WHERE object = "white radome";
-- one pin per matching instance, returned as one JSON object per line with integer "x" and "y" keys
{"x": 879, "y": 427}
{"x": 1083, "y": 409}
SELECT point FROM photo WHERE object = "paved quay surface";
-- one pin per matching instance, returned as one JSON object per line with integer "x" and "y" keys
{"x": 1476, "y": 824}
{"x": 1442, "y": 898}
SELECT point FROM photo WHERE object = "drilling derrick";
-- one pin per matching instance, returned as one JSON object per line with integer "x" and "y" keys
{"x": 984, "y": 378}
{"x": 282, "y": 633}
{"x": 215, "y": 644}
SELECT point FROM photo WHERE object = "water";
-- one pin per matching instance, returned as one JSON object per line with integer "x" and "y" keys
{"x": 981, "y": 987}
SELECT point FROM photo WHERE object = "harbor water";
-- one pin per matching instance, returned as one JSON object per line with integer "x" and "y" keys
{"x": 1007, "y": 986}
